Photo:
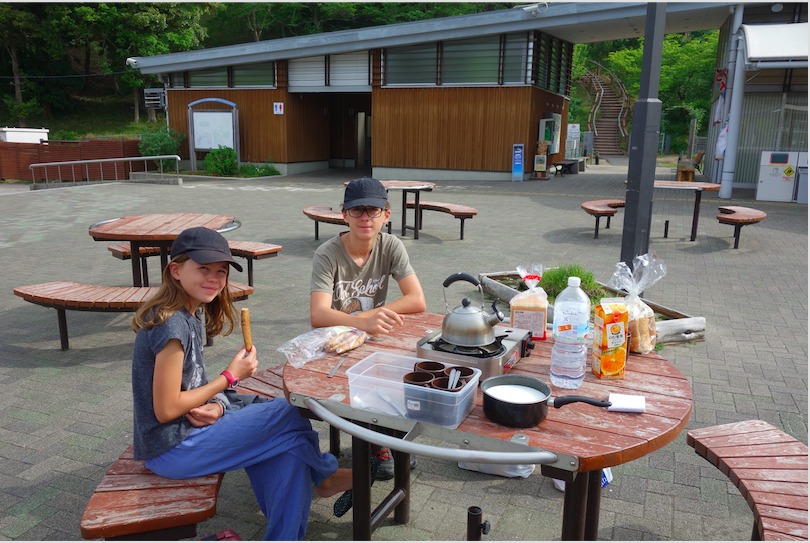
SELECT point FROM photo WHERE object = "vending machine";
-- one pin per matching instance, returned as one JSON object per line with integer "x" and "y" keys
{"x": 777, "y": 176}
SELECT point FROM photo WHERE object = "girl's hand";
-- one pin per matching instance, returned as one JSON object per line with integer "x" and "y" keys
{"x": 244, "y": 364}
{"x": 205, "y": 415}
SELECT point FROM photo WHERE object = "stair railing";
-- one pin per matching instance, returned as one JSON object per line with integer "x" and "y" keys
{"x": 625, "y": 108}
{"x": 598, "y": 90}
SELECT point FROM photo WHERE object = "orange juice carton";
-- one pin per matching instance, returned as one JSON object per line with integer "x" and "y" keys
{"x": 610, "y": 338}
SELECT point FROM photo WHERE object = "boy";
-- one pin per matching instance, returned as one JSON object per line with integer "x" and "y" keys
{"x": 350, "y": 275}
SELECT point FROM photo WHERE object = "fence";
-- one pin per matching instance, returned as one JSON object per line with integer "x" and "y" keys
{"x": 121, "y": 167}
{"x": 15, "y": 158}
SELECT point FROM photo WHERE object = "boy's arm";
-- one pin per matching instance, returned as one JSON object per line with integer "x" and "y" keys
{"x": 376, "y": 321}
{"x": 413, "y": 298}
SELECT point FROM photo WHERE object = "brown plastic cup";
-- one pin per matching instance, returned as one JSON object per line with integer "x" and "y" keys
{"x": 418, "y": 378}
{"x": 436, "y": 368}
{"x": 466, "y": 373}
{"x": 442, "y": 383}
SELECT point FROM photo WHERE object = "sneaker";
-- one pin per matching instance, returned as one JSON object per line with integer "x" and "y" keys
{"x": 345, "y": 502}
{"x": 385, "y": 469}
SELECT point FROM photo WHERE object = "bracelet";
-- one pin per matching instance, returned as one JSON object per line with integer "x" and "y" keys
{"x": 221, "y": 404}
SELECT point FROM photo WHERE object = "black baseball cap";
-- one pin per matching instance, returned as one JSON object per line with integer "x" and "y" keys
{"x": 365, "y": 192}
{"x": 203, "y": 246}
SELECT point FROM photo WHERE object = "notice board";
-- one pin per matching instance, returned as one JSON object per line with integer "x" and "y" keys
{"x": 212, "y": 128}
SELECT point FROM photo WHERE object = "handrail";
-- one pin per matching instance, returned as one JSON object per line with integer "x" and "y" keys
{"x": 100, "y": 161}
{"x": 443, "y": 453}
{"x": 597, "y": 103}
{"x": 621, "y": 119}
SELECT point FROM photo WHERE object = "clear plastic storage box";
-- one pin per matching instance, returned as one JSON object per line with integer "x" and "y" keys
{"x": 375, "y": 384}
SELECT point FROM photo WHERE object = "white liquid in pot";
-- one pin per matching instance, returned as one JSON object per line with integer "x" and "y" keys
{"x": 516, "y": 394}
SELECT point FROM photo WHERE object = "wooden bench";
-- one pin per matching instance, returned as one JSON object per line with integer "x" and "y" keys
{"x": 325, "y": 214}
{"x": 249, "y": 250}
{"x": 458, "y": 211}
{"x": 739, "y": 217}
{"x": 602, "y": 208}
{"x": 571, "y": 166}
{"x": 768, "y": 466}
{"x": 131, "y": 502}
{"x": 67, "y": 295}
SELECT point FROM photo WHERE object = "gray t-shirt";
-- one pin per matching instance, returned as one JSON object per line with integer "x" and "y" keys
{"x": 355, "y": 289}
{"x": 152, "y": 437}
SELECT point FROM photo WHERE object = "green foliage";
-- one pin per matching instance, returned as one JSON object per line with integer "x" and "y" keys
{"x": 65, "y": 135}
{"x": 24, "y": 110}
{"x": 222, "y": 162}
{"x": 555, "y": 280}
{"x": 253, "y": 169}
{"x": 161, "y": 142}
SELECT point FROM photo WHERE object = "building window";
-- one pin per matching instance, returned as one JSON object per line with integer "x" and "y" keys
{"x": 214, "y": 77}
{"x": 176, "y": 80}
{"x": 414, "y": 65}
{"x": 471, "y": 61}
{"x": 255, "y": 75}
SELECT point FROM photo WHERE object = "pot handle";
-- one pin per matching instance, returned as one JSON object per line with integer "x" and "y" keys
{"x": 564, "y": 400}
{"x": 460, "y": 277}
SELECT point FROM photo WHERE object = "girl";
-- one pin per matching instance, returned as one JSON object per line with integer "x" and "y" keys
{"x": 186, "y": 426}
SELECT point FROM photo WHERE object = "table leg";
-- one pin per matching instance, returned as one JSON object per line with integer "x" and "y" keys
{"x": 594, "y": 502}
{"x": 417, "y": 217}
{"x": 575, "y": 508}
{"x": 164, "y": 258}
{"x": 402, "y": 479}
{"x": 696, "y": 214}
{"x": 361, "y": 490}
{"x": 404, "y": 209}
{"x": 135, "y": 254}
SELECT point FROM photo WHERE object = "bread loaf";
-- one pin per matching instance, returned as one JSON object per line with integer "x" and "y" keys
{"x": 642, "y": 334}
{"x": 345, "y": 341}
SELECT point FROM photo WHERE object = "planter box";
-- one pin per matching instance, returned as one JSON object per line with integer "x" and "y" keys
{"x": 680, "y": 328}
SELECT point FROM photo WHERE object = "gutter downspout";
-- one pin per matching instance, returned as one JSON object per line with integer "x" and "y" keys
{"x": 735, "y": 114}
{"x": 731, "y": 63}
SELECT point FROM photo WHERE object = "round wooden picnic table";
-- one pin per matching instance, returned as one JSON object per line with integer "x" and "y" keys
{"x": 585, "y": 438}
{"x": 156, "y": 230}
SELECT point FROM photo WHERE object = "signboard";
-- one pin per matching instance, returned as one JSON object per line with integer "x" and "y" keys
{"x": 555, "y": 145}
{"x": 540, "y": 163}
{"x": 517, "y": 162}
{"x": 212, "y": 129}
{"x": 573, "y": 131}
{"x": 278, "y": 108}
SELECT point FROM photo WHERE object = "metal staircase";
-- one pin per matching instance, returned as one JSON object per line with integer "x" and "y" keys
{"x": 608, "y": 117}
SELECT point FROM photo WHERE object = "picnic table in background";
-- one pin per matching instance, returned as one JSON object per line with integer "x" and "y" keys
{"x": 156, "y": 230}
{"x": 416, "y": 187}
{"x": 698, "y": 187}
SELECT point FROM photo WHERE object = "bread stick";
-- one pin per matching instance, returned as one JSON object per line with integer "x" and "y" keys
{"x": 246, "y": 328}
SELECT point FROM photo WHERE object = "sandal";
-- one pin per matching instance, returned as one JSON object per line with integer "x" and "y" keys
{"x": 344, "y": 502}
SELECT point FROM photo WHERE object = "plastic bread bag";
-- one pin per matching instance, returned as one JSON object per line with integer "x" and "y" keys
{"x": 647, "y": 269}
{"x": 529, "y": 309}
{"x": 504, "y": 470}
{"x": 319, "y": 342}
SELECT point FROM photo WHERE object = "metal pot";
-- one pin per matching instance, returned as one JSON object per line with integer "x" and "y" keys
{"x": 524, "y": 415}
{"x": 467, "y": 325}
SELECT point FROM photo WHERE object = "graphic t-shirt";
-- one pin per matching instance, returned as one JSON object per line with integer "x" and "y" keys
{"x": 354, "y": 288}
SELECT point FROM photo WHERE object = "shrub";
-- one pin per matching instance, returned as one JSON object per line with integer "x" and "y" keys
{"x": 221, "y": 161}
{"x": 253, "y": 169}
{"x": 65, "y": 135}
{"x": 555, "y": 280}
{"x": 161, "y": 142}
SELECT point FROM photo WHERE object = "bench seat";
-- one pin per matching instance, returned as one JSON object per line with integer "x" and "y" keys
{"x": 570, "y": 165}
{"x": 739, "y": 216}
{"x": 321, "y": 214}
{"x": 768, "y": 466}
{"x": 458, "y": 211}
{"x": 67, "y": 295}
{"x": 602, "y": 208}
{"x": 249, "y": 250}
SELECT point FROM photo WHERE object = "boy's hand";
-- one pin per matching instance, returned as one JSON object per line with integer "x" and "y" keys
{"x": 244, "y": 364}
{"x": 382, "y": 321}
{"x": 205, "y": 415}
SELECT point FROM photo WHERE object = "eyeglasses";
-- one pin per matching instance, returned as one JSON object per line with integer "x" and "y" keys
{"x": 357, "y": 212}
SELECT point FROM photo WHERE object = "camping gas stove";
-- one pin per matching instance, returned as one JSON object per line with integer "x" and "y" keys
{"x": 497, "y": 358}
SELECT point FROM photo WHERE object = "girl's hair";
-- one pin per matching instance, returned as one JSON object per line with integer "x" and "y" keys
{"x": 171, "y": 297}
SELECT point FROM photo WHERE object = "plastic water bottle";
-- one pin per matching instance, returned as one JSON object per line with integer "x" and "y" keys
{"x": 569, "y": 355}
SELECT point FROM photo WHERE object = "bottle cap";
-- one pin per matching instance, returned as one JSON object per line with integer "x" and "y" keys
{"x": 574, "y": 281}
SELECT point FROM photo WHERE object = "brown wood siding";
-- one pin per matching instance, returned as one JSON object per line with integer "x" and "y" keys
{"x": 458, "y": 128}
{"x": 297, "y": 136}
{"x": 543, "y": 103}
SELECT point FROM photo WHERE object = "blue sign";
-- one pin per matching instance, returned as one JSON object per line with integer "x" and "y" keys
{"x": 517, "y": 162}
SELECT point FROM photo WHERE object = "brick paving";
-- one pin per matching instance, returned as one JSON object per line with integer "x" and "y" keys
{"x": 66, "y": 416}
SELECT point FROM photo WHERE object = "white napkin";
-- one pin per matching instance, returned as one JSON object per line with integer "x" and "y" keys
{"x": 627, "y": 403}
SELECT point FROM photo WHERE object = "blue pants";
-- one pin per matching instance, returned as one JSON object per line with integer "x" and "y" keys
{"x": 279, "y": 451}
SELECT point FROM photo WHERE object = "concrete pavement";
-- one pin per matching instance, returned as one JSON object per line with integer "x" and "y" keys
{"x": 66, "y": 416}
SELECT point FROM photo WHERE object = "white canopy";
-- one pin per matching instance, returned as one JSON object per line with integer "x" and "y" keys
{"x": 775, "y": 42}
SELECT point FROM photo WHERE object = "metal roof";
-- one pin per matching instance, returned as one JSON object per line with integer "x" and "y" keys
{"x": 574, "y": 22}
{"x": 775, "y": 42}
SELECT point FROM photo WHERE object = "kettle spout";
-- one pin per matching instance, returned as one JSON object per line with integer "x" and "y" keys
{"x": 496, "y": 315}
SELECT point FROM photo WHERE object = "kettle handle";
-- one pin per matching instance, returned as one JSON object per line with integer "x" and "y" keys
{"x": 460, "y": 277}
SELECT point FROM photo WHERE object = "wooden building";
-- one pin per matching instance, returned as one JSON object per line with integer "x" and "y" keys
{"x": 429, "y": 100}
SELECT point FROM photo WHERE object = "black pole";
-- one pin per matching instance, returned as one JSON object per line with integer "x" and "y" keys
{"x": 644, "y": 140}
{"x": 474, "y": 515}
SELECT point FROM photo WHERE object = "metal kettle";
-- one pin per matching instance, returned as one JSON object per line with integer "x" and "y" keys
{"x": 467, "y": 325}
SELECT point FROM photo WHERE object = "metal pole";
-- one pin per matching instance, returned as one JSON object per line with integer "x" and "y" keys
{"x": 644, "y": 141}
{"x": 474, "y": 515}
{"x": 734, "y": 119}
